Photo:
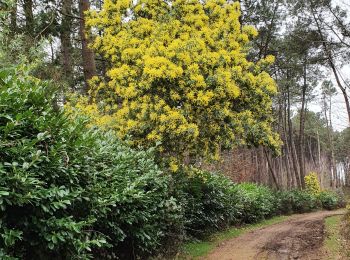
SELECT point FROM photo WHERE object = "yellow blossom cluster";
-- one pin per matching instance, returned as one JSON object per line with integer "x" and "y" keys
{"x": 78, "y": 105}
{"x": 312, "y": 183}
{"x": 180, "y": 76}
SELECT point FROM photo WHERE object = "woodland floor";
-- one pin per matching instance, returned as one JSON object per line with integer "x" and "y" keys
{"x": 300, "y": 237}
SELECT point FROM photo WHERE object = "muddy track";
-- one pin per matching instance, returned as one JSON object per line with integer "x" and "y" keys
{"x": 300, "y": 237}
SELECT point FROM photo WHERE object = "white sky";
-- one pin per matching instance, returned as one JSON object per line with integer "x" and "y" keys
{"x": 339, "y": 114}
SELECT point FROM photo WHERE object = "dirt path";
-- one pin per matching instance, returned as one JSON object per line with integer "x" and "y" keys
{"x": 301, "y": 237}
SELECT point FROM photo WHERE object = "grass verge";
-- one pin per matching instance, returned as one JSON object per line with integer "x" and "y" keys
{"x": 194, "y": 250}
{"x": 333, "y": 242}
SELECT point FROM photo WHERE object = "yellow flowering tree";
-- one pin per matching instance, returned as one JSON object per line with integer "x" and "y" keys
{"x": 180, "y": 77}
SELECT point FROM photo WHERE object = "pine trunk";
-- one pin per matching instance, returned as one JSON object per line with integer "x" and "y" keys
{"x": 88, "y": 55}
{"x": 66, "y": 44}
{"x": 302, "y": 130}
{"x": 28, "y": 13}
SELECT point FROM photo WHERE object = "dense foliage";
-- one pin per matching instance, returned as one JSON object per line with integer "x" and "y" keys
{"x": 72, "y": 191}
{"x": 209, "y": 201}
{"x": 256, "y": 202}
{"x": 66, "y": 191}
{"x": 212, "y": 202}
{"x": 331, "y": 200}
{"x": 180, "y": 76}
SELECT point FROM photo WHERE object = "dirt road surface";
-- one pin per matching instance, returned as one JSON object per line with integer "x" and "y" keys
{"x": 300, "y": 237}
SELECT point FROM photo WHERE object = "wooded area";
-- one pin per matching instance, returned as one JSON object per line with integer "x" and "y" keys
{"x": 310, "y": 43}
{"x": 141, "y": 102}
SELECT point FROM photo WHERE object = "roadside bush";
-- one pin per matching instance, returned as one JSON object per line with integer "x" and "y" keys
{"x": 212, "y": 202}
{"x": 341, "y": 198}
{"x": 209, "y": 200}
{"x": 303, "y": 201}
{"x": 67, "y": 192}
{"x": 297, "y": 201}
{"x": 138, "y": 214}
{"x": 330, "y": 200}
{"x": 285, "y": 201}
{"x": 256, "y": 202}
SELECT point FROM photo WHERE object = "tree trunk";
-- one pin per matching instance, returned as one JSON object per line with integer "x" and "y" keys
{"x": 311, "y": 153}
{"x": 330, "y": 131}
{"x": 66, "y": 44}
{"x": 291, "y": 183}
{"x": 330, "y": 143}
{"x": 302, "y": 130}
{"x": 291, "y": 140}
{"x": 271, "y": 169}
{"x": 28, "y": 13}
{"x": 88, "y": 55}
{"x": 322, "y": 174}
{"x": 13, "y": 18}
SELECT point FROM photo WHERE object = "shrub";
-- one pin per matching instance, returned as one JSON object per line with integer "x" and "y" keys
{"x": 341, "y": 198}
{"x": 71, "y": 193}
{"x": 297, "y": 201}
{"x": 285, "y": 201}
{"x": 312, "y": 183}
{"x": 256, "y": 202}
{"x": 303, "y": 201}
{"x": 212, "y": 202}
{"x": 330, "y": 200}
{"x": 139, "y": 216}
{"x": 209, "y": 201}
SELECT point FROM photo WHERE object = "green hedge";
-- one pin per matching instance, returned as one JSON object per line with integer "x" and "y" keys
{"x": 67, "y": 192}
{"x": 209, "y": 201}
{"x": 256, "y": 202}
{"x": 331, "y": 200}
{"x": 212, "y": 202}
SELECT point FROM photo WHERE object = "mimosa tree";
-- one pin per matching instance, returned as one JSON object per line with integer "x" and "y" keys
{"x": 179, "y": 76}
